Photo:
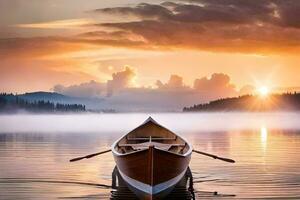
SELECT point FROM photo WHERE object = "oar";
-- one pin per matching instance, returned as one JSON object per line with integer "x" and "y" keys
{"x": 90, "y": 156}
{"x": 214, "y": 156}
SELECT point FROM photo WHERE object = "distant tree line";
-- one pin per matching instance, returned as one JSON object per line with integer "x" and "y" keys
{"x": 13, "y": 103}
{"x": 251, "y": 103}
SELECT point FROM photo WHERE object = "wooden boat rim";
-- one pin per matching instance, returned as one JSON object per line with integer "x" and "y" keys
{"x": 124, "y": 154}
{"x": 190, "y": 150}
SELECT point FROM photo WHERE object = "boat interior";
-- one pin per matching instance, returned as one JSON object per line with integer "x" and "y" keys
{"x": 152, "y": 134}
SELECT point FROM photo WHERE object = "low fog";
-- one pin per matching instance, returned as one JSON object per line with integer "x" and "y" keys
{"x": 122, "y": 123}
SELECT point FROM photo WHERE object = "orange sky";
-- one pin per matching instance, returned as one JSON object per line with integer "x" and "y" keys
{"x": 46, "y": 43}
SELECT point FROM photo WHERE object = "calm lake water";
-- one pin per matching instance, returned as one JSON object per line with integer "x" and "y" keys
{"x": 35, "y": 152}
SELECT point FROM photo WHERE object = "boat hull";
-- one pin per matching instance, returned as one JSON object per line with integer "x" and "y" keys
{"x": 152, "y": 173}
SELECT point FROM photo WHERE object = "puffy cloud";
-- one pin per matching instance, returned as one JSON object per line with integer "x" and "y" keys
{"x": 89, "y": 89}
{"x": 120, "y": 93}
{"x": 120, "y": 80}
{"x": 218, "y": 85}
{"x": 172, "y": 95}
{"x": 175, "y": 82}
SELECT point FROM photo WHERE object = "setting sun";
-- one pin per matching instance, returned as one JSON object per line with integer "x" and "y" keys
{"x": 263, "y": 91}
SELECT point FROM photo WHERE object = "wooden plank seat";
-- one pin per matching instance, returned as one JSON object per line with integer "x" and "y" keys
{"x": 148, "y": 138}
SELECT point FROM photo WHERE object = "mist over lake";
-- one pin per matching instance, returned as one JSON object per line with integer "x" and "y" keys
{"x": 122, "y": 123}
{"x": 35, "y": 152}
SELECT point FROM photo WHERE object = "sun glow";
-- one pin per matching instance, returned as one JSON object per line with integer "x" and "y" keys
{"x": 263, "y": 91}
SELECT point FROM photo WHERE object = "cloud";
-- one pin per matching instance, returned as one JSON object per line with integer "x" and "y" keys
{"x": 62, "y": 47}
{"x": 143, "y": 10}
{"x": 256, "y": 26}
{"x": 216, "y": 82}
{"x": 218, "y": 85}
{"x": 88, "y": 89}
{"x": 120, "y": 80}
{"x": 172, "y": 95}
{"x": 121, "y": 94}
{"x": 288, "y": 12}
{"x": 58, "y": 24}
{"x": 205, "y": 11}
{"x": 261, "y": 26}
{"x": 38, "y": 47}
{"x": 175, "y": 82}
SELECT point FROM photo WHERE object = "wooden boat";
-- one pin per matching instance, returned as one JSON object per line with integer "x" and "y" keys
{"x": 151, "y": 159}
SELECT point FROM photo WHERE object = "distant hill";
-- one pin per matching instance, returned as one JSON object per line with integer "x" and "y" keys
{"x": 90, "y": 103}
{"x": 47, "y": 96}
{"x": 251, "y": 103}
{"x": 10, "y": 103}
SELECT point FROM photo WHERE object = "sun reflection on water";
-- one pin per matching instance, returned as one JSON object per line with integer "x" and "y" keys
{"x": 264, "y": 137}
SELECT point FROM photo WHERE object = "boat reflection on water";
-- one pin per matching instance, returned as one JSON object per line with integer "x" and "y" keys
{"x": 184, "y": 189}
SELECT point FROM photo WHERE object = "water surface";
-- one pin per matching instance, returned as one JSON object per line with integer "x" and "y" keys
{"x": 34, "y": 162}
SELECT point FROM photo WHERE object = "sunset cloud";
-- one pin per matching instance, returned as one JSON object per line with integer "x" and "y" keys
{"x": 282, "y": 12}
{"x": 120, "y": 80}
{"x": 120, "y": 93}
{"x": 239, "y": 26}
{"x": 175, "y": 82}
{"x": 258, "y": 26}
{"x": 58, "y": 24}
{"x": 218, "y": 83}
{"x": 90, "y": 89}
{"x": 38, "y": 47}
